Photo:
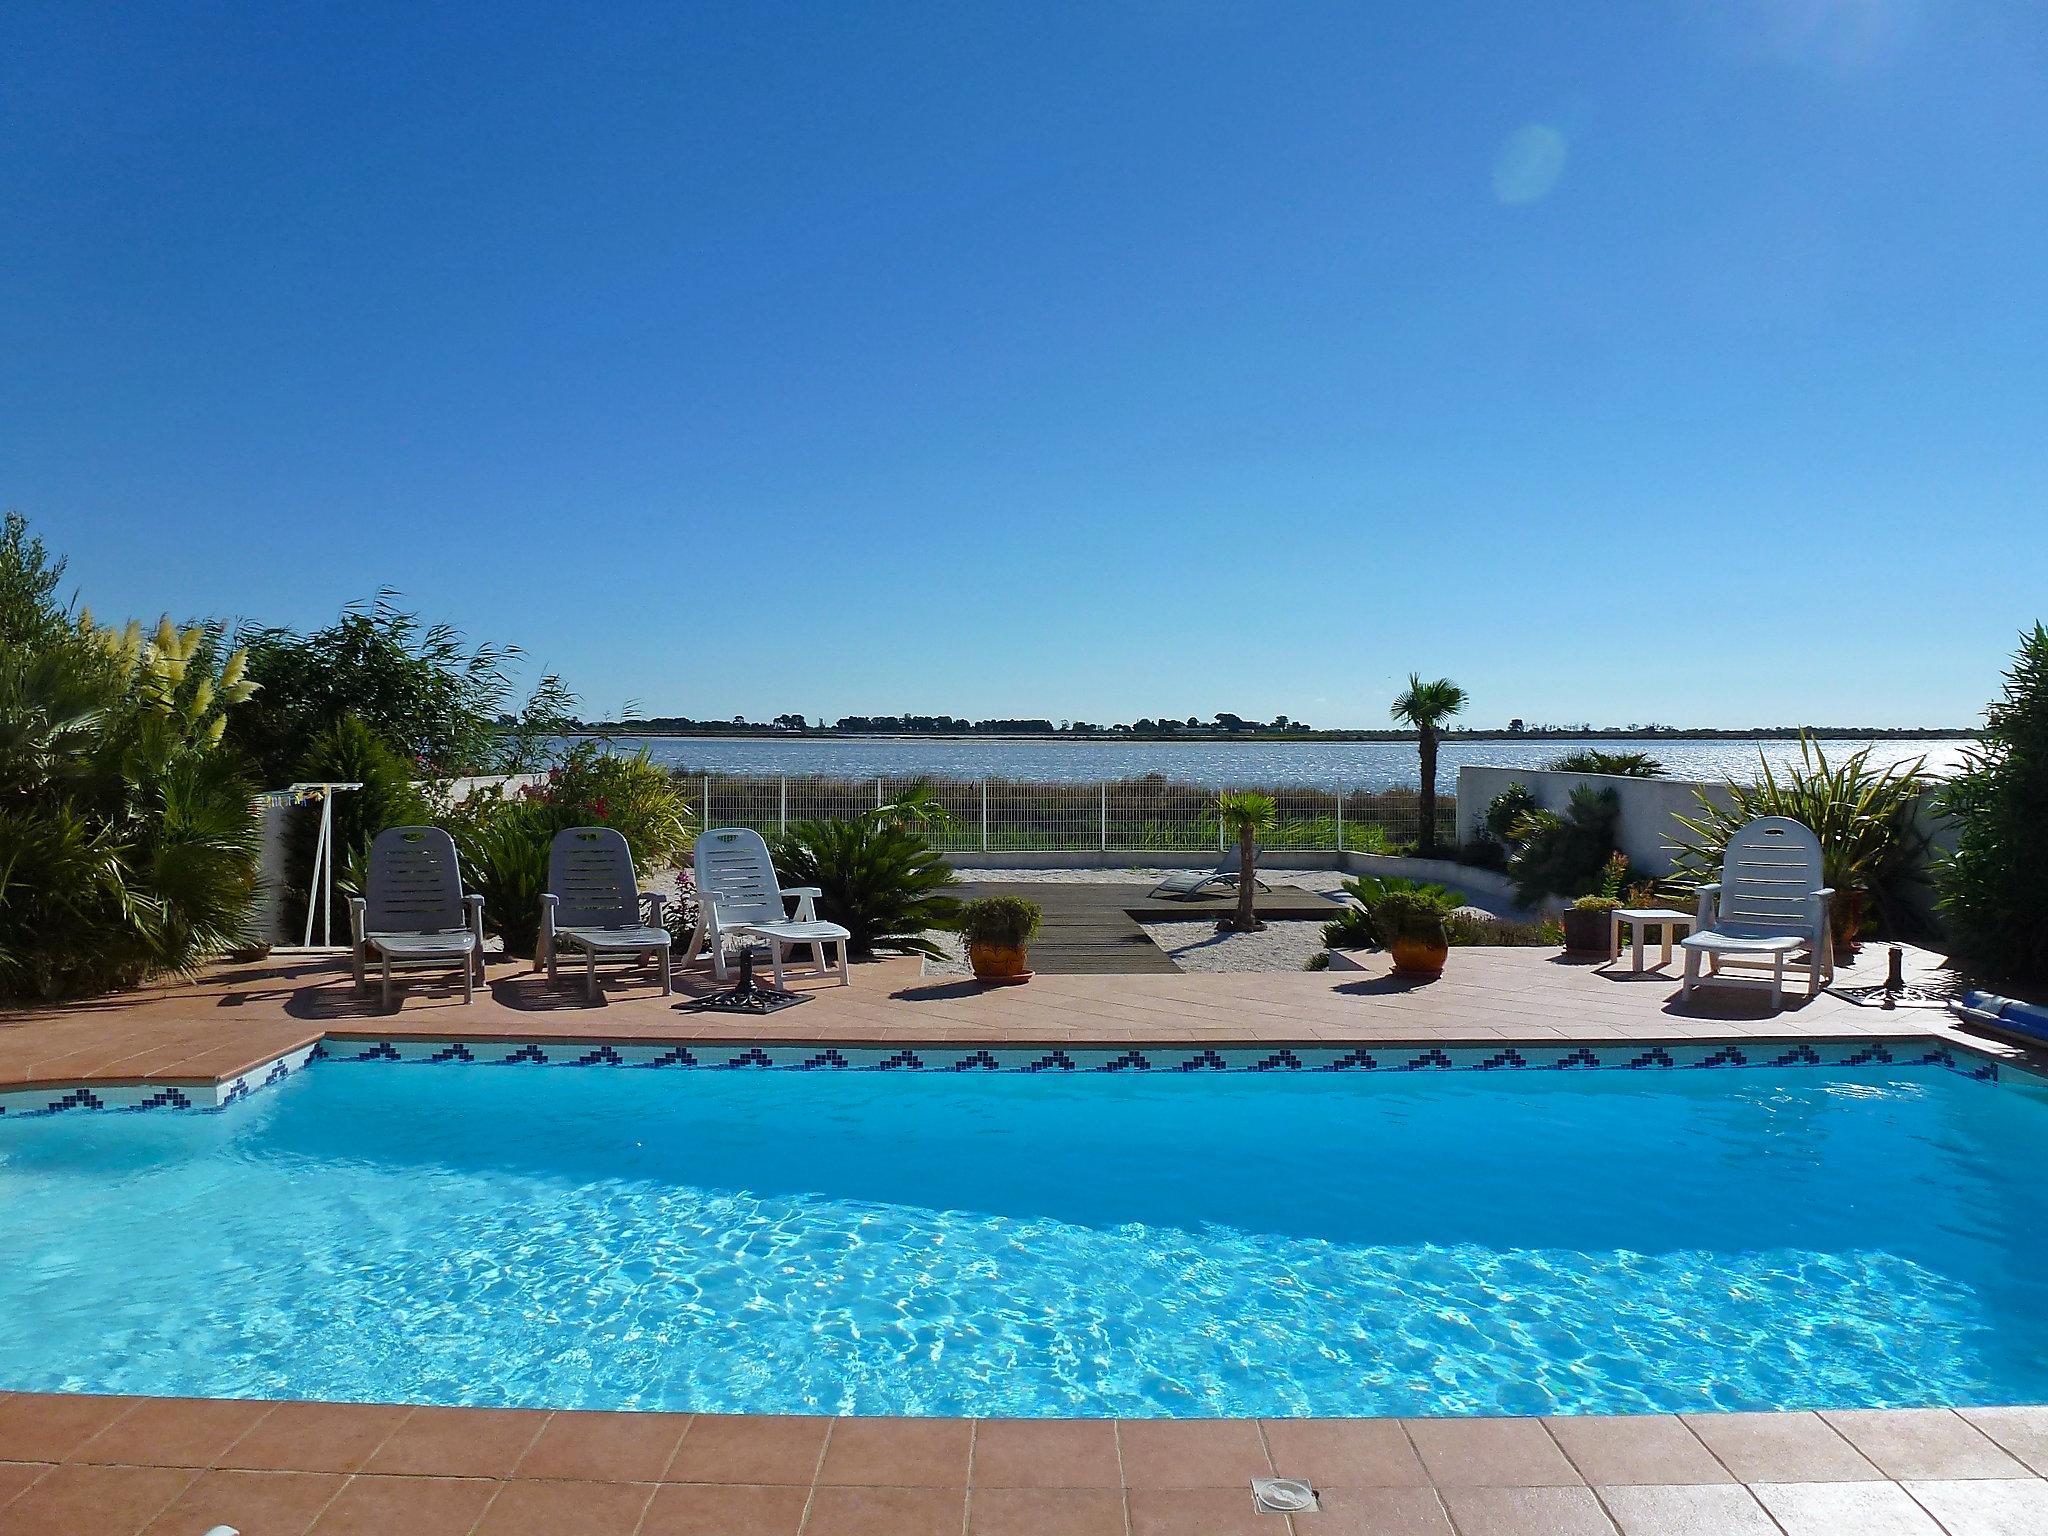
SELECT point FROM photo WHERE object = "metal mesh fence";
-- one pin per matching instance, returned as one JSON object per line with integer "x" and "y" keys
{"x": 1151, "y": 814}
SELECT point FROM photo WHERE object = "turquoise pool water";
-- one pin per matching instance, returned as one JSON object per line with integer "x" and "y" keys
{"x": 1005, "y": 1243}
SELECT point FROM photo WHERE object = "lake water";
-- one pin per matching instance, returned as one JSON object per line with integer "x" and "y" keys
{"x": 1370, "y": 765}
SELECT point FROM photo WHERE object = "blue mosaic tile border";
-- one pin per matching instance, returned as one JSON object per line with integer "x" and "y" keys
{"x": 1560, "y": 1057}
{"x": 134, "y": 1097}
{"x": 1173, "y": 1060}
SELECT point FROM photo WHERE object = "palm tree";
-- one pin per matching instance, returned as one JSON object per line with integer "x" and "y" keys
{"x": 1247, "y": 813}
{"x": 1426, "y": 706}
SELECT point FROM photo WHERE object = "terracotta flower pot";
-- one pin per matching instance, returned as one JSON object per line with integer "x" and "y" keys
{"x": 1001, "y": 965}
{"x": 1421, "y": 958}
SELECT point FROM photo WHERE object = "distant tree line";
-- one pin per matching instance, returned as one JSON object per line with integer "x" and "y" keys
{"x": 946, "y": 725}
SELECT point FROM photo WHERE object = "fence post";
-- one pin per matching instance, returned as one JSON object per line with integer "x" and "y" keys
{"x": 782, "y": 811}
{"x": 984, "y": 815}
{"x": 879, "y": 802}
{"x": 1340, "y": 821}
{"x": 1219, "y": 830}
{"x": 1105, "y": 817}
{"x": 707, "y": 800}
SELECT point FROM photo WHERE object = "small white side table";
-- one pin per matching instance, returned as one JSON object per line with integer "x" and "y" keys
{"x": 1639, "y": 918}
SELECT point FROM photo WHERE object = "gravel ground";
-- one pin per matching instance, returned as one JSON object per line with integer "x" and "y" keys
{"x": 1282, "y": 946}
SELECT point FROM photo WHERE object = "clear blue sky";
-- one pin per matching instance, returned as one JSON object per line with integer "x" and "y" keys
{"x": 1676, "y": 360}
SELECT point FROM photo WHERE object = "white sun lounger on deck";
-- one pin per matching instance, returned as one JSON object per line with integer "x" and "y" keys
{"x": 1770, "y": 905}
{"x": 1196, "y": 882}
{"x": 738, "y": 895}
{"x": 593, "y": 903}
{"x": 414, "y": 917}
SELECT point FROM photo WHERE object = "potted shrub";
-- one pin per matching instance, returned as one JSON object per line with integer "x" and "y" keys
{"x": 1588, "y": 921}
{"x": 1589, "y": 925}
{"x": 1413, "y": 925}
{"x": 999, "y": 931}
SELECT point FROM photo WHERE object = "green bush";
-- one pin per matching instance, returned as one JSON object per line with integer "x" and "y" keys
{"x": 1994, "y": 887}
{"x": 1628, "y": 765}
{"x": 128, "y": 843}
{"x": 1357, "y": 928}
{"x": 1412, "y": 914}
{"x": 1564, "y": 855}
{"x": 505, "y": 837}
{"x": 880, "y": 880}
{"x": 1872, "y": 853}
{"x": 1009, "y": 922}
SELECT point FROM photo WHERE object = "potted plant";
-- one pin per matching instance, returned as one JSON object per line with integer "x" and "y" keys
{"x": 1413, "y": 925}
{"x": 1589, "y": 925}
{"x": 999, "y": 931}
{"x": 1589, "y": 922}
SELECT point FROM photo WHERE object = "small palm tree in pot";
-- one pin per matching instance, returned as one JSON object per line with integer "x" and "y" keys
{"x": 1245, "y": 813}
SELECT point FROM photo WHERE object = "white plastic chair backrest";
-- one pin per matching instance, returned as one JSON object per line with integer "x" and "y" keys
{"x": 415, "y": 883}
{"x": 590, "y": 875}
{"x": 735, "y": 874}
{"x": 1769, "y": 873}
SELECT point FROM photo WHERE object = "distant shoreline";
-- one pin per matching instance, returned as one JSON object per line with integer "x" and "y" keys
{"x": 1262, "y": 738}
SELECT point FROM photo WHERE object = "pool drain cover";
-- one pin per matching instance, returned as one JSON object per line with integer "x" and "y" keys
{"x": 1283, "y": 1496}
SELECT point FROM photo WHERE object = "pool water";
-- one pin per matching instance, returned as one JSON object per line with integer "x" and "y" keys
{"x": 1043, "y": 1244}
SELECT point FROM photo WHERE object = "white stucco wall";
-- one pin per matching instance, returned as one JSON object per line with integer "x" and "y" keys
{"x": 1644, "y": 831}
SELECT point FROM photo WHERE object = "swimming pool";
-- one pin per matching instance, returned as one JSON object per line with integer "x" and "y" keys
{"x": 1143, "y": 1243}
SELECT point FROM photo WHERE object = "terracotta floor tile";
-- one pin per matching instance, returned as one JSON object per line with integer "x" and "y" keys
{"x": 1375, "y": 1512}
{"x": 1046, "y": 1453}
{"x": 17, "y": 1475}
{"x": 2021, "y": 1431}
{"x": 174, "y": 1432}
{"x": 1924, "y": 1443}
{"x": 1714, "y": 1509}
{"x": 1983, "y": 1507}
{"x": 49, "y": 1426}
{"x": 254, "y": 1503}
{"x": 605, "y": 1447}
{"x": 898, "y": 1453}
{"x": 406, "y": 1506}
{"x": 549, "y": 1509}
{"x": 733, "y": 1448}
{"x": 1845, "y": 1509}
{"x": 1638, "y": 1448}
{"x": 681, "y": 1509}
{"x": 315, "y": 1437}
{"x": 1045, "y": 1512}
{"x": 886, "y": 1512}
{"x": 93, "y": 1501}
{"x": 1347, "y": 1453}
{"x": 1197, "y": 1512}
{"x": 1780, "y": 1448}
{"x": 1527, "y": 1512}
{"x": 1491, "y": 1453}
{"x": 458, "y": 1442}
{"x": 1192, "y": 1453}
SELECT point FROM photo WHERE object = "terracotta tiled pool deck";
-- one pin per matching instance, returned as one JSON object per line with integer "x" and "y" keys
{"x": 119, "y": 1466}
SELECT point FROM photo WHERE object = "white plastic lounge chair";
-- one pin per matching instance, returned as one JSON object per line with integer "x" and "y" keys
{"x": 737, "y": 896}
{"x": 1770, "y": 904}
{"x": 1189, "y": 883}
{"x": 593, "y": 904}
{"x": 414, "y": 916}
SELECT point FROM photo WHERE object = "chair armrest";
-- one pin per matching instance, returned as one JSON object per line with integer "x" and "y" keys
{"x": 1710, "y": 901}
{"x": 476, "y": 919}
{"x": 656, "y": 901}
{"x": 548, "y": 902}
{"x": 806, "y": 898}
{"x": 358, "y": 917}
